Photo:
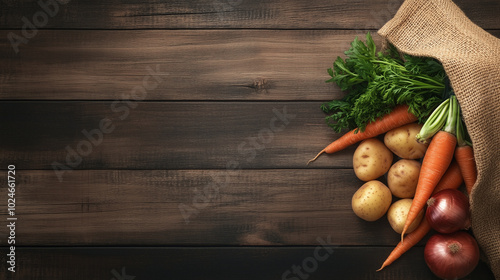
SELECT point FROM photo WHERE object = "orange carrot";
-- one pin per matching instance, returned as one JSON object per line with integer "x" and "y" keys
{"x": 464, "y": 155}
{"x": 396, "y": 118}
{"x": 436, "y": 161}
{"x": 465, "y": 158}
{"x": 452, "y": 179}
{"x": 410, "y": 240}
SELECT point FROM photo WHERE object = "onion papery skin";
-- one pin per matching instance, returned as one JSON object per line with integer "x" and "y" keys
{"x": 451, "y": 256}
{"x": 448, "y": 211}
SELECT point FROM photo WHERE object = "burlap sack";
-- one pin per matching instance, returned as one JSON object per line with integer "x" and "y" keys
{"x": 471, "y": 58}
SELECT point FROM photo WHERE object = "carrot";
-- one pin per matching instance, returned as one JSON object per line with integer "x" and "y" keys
{"x": 396, "y": 118}
{"x": 452, "y": 179}
{"x": 436, "y": 161}
{"x": 464, "y": 155}
{"x": 411, "y": 239}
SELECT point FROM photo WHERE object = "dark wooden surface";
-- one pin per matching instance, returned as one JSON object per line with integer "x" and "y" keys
{"x": 202, "y": 174}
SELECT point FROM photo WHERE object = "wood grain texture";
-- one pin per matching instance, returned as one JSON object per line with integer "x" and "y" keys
{"x": 173, "y": 64}
{"x": 201, "y": 174}
{"x": 223, "y": 263}
{"x": 192, "y": 207}
{"x": 276, "y": 14}
{"x": 165, "y": 135}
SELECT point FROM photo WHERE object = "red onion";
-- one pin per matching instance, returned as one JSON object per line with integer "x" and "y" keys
{"x": 451, "y": 256}
{"x": 448, "y": 211}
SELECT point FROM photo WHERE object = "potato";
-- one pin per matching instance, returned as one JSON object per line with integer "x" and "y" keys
{"x": 371, "y": 159}
{"x": 402, "y": 141}
{"x": 398, "y": 212}
{"x": 371, "y": 201}
{"x": 402, "y": 178}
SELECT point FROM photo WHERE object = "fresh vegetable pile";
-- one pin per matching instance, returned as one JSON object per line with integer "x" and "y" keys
{"x": 408, "y": 122}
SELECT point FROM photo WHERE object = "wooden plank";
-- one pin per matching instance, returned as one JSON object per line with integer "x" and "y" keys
{"x": 173, "y": 64}
{"x": 315, "y": 262}
{"x": 319, "y": 14}
{"x": 165, "y": 135}
{"x": 191, "y": 207}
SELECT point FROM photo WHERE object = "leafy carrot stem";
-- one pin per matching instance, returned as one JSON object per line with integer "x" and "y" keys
{"x": 453, "y": 116}
{"x": 462, "y": 135}
{"x": 434, "y": 123}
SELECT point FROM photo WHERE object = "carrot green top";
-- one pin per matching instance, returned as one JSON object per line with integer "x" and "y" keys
{"x": 445, "y": 117}
{"x": 376, "y": 82}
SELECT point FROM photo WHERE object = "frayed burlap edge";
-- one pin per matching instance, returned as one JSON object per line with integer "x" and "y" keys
{"x": 471, "y": 59}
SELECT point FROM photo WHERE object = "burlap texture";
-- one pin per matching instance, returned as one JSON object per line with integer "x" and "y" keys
{"x": 471, "y": 58}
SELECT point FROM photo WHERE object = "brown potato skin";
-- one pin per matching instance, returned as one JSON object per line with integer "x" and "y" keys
{"x": 397, "y": 213}
{"x": 371, "y": 159}
{"x": 371, "y": 201}
{"x": 402, "y": 178}
{"x": 402, "y": 141}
